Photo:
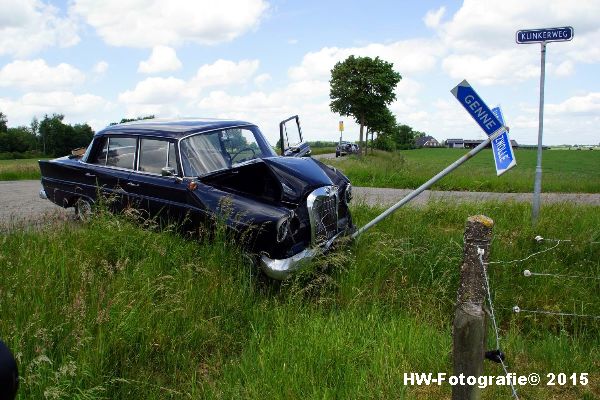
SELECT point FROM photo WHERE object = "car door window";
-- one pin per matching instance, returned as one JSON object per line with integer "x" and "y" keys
{"x": 121, "y": 152}
{"x": 100, "y": 157}
{"x": 156, "y": 155}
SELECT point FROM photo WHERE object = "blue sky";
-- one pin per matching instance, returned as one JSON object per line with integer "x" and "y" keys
{"x": 262, "y": 61}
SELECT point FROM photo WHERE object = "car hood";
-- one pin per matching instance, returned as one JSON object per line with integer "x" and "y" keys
{"x": 275, "y": 179}
{"x": 300, "y": 175}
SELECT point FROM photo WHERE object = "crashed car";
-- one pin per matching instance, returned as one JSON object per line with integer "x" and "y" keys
{"x": 345, "y": 148}
{"x": 289, "y": 207}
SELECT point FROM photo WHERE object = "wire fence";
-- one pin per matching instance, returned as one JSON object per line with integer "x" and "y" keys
{"x": 528, "y": 273}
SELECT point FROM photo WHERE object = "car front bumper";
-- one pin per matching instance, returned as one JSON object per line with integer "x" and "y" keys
{"x": 280, "y": 269}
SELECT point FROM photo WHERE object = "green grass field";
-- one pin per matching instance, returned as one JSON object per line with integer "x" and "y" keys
{"x": 322, "y": 150}
{"x": 108, "y": 310}
{"x": 563, "y": 171}
{"x": 12, "y": 170}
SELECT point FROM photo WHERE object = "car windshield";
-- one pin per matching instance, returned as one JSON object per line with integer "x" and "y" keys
{"x": 213, "y": 151}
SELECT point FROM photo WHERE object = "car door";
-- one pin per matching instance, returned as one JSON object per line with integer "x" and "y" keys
{"x": 110, "y": 167}
{"x": 156, "y": 185}
{"x": 290, "y": 139}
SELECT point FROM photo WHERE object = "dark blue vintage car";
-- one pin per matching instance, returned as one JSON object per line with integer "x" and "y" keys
{"x": 289, "y": 208}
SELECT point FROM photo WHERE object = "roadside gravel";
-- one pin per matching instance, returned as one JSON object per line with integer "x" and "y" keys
{"x": 20, "y": 202}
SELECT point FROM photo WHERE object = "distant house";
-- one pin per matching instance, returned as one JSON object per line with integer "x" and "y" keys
{"x": 427, "y": 141}
{"x": 455, "y": 143}
{"x": 472, "y": 143}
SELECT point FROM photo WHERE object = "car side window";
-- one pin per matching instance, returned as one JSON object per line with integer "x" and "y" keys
{"x": 121, "y": 152}
{"x": 100, "y": 157}
{"x": 155, "y": 155}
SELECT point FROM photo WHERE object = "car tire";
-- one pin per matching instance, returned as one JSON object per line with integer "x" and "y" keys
{"x": 83, "y": 209}
{"x": 337, "y": 154}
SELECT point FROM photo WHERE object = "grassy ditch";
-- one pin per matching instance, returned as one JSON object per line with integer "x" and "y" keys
{"x": 563, "y": 171}
{"x": 109, "y": 309}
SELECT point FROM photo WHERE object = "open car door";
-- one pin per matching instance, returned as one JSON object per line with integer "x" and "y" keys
{"x": 290, "y": 137}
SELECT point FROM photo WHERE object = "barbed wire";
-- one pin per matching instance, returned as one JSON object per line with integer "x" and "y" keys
{"x": 480, "y": 253}
{"x": 529, "y": 256}
{"x": 528, "y": 273}
{"x": 517, "y": 309}
{"x": 538, "y": 239}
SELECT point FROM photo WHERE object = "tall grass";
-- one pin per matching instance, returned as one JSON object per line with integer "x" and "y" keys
{"x": 12, "y": 170}
{"x": 563, "y": 171}
{"x": 107, "y": 309}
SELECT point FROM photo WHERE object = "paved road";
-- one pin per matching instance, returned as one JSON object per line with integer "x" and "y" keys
{"x": 19, "y": 200}
{"x": 326, "y": 156}
{"x": 387, "y": 197}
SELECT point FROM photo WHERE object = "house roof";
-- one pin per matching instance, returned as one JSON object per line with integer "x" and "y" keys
{"x": 420, "y": 141}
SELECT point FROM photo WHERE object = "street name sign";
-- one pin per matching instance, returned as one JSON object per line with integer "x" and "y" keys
{"x": 502, "y": 148}
{"x": 562, "y": 34}
{"x": 490, "y": 123}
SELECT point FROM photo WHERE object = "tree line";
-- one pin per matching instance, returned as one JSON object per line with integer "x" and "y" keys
{"x": 48, "y": 137}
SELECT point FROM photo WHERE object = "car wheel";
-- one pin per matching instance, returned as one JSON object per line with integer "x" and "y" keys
{"x": 337, "y": 155}
{"x": 83, "y": 209}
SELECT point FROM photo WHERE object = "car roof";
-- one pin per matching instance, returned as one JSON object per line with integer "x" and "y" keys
{"x": 172, "y": 128}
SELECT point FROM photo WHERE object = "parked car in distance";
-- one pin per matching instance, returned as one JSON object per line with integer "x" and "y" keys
{"x": 288, "y": 208}
{"x": 344, "y": 148}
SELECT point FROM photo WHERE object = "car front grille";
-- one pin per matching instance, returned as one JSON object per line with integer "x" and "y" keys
{"x": 322, "y": 206}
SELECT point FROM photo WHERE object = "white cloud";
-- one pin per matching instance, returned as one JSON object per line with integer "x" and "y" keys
{"x": 585, "y": 104}
{"x": 138, "y": 23}
{"x": 408, "y": 56}
{"x": 28, "y": 26}
{"x": 262, "y": 79}
{"x": 171, "y": 96}
{"x": 433, "y": 18}
{"x": 100, "y": 68}
{"x": 163, "y": 58}
{"x": 565, "y": 68}
{"x": 38, "y": 75}
{"x": 225, "y": 72}
{"x": 63, "y": 102}
{"x": 156, "y": 91}
{"x": 507, "y": 66}
{"x": 481, "y": 40}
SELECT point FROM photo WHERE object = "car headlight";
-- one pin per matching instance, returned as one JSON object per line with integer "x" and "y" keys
{"x": 348, "y": 194}
{"x": 283, "y": 229}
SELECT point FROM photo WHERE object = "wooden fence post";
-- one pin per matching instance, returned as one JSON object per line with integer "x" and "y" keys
{"x": 469, "y": 328}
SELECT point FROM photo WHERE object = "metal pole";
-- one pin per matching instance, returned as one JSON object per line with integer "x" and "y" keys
{"x": 537, "y": 186}
{"x": 429, "y": 183}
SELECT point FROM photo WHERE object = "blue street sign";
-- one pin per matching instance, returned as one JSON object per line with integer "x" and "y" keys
{"x": 480, "y": 112}
{"x": 490, "y": 122}
{"x": 502, "y": 148}
{"x": 545, "y": 35}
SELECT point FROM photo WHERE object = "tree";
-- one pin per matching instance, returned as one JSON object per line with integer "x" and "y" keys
{"x": 3, "y": 123}
{"x": 360, "y": 86}
{"x": 124, "y": 120}
{"x": 61, "y": 138}
{"x": 404, "y": 137}
{"x": 382, "y": 123}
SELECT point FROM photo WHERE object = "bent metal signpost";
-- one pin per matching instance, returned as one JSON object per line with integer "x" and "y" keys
{"x": 492, "y": 126}
{"x": 542, "y": 36}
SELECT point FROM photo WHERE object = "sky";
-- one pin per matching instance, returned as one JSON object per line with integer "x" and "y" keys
{"x": 263, "y": 61}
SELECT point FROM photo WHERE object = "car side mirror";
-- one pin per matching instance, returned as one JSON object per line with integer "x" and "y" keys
{"x": 168, "y": 171}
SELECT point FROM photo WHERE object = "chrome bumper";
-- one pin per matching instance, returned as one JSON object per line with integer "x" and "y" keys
{"x": 43, "y": 194}
{"x": 280, "y": 269}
